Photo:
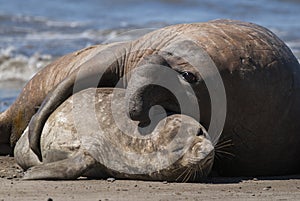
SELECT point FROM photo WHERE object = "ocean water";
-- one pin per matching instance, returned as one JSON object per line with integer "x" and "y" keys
{"x": 34, "y": 32}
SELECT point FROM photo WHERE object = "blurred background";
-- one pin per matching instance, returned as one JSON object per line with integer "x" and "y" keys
{"x": 35, "y": 32}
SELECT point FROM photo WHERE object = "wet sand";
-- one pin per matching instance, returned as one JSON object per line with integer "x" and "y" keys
{"x": 273, "y": 188}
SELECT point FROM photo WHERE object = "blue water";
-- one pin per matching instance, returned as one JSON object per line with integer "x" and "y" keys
{"x": 80, "y": 22}
{"x": 34, "y": 32}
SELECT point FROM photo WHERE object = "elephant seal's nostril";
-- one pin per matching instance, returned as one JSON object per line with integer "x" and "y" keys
{"x": 138, "y": 113}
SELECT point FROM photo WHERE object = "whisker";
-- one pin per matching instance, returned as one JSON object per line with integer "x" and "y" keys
{"x": 178, "y": 178}
{"x": 187, "y": 176}
{"x": 176, "y": 169}
{"x": 224, "y": 143}
{"x": 220, "y": 152}
{"x": 217, "y": 156}
{"x": 224, "y": 146}
{"x": 224, "y": 153}
{"x": 199, "y": 173}
{"x": 192, "y": 171}
{"x": 195, "y": 175}
{"x": 220, "y": 157}
{"x": 201, "y": 170}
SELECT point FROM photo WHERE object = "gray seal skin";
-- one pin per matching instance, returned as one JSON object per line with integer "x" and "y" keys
{"x": 261, "y": 79}
{"x": 260, "y": 75}
{"x": 177, "y": 148}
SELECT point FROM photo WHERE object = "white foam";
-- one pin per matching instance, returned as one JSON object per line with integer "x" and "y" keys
{"x": 49, "y": 35}
{"x": 97, "y": 35}
{"x": 20, "y": 67}
{"x": 48, "y": 22}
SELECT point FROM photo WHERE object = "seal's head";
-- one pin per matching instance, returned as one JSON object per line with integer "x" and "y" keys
{"x": 185, "y": 144}
{"x": 173, "y": 81}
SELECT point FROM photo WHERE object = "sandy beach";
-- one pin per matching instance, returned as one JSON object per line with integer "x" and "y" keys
{"x": 272, "y": 188}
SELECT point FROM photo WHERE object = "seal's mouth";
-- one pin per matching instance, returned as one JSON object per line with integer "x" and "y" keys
{"x": 197, "y": 161}
{"x": 197, "y": 172}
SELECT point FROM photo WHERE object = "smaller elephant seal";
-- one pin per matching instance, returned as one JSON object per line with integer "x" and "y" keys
{"x": 82, "y": 138}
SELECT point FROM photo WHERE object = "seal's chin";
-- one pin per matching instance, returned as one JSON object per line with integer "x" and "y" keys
{"x": 197, "y": 161}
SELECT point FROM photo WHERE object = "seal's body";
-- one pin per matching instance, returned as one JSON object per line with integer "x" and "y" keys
{"x": 82, "y": 137}
{"x": 259, "y": 72}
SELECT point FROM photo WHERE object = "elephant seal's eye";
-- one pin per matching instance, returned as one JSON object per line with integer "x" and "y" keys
{"x": 200, "y": 132}
{"x": 189, "y": 77}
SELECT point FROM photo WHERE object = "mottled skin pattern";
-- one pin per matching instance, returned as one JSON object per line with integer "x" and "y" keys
{"x": 260, "y": 75}
{"x": 74, "y": 144}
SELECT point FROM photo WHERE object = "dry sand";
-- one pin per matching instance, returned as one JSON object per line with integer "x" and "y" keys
{"x": 275, "y": 188}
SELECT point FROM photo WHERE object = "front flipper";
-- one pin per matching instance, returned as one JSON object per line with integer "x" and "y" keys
{"x": 66, "y": 169}
{"x": 51, "y": 102}
{"x": 99, "y": 71}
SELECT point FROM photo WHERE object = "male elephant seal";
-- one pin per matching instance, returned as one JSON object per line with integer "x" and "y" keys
{"x": 260, "y": 75}
{"x": 81, "y": 137}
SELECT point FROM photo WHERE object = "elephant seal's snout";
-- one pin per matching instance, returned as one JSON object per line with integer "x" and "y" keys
{"x": 146, "y": 87}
